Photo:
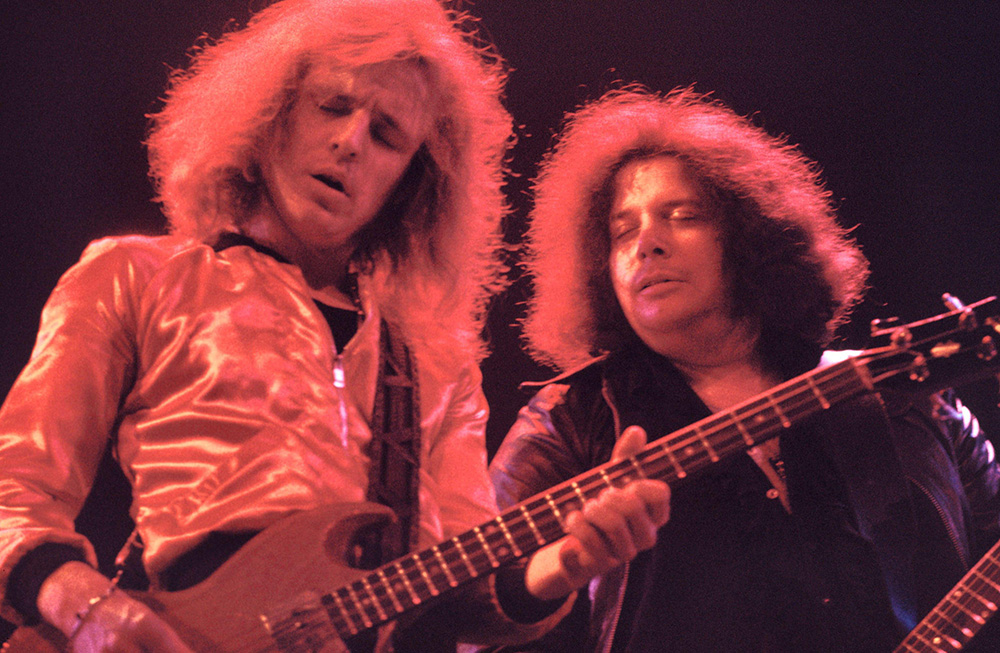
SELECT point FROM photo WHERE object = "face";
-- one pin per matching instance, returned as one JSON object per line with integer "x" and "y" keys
{"x": 348, "y": 139}
{"x": 666, "y": 254}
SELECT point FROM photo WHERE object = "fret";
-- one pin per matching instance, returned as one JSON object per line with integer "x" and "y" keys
{"x": 860, "y": 373}
{"x": 361, "y": 607}
{"x": 486, "y": 547}
{"x": 605, "y": 477}
{"x": 969, "y": 612}
{"x": 701, "y": 436}
{"x": 937, "y": 641}
{"x": 819, "y": 395}
{"x": 531, "y": 524}
{"x": 777, "y": 409}
{"x": 747, "y": 438}
{"x": 374, "y": 599}
{"x": 989, "y": 582}
{"x": 982, "y": 600}
{"x": 555, "y": 511}
{"x": 579, "y": 493}
{"x": 342, "y": 607}
{"x": 391, "y": 592}
{"x": 465, "y": 557}
{"x": 444, "y": 566}
{"x": 427, "y": 577}
{"x": 727, "y": 440}
{"x": 414, "y": 597}
{"x": 637, "y": 467}
{"x": 673, "y": 460}
{"x": 506, "y": 534}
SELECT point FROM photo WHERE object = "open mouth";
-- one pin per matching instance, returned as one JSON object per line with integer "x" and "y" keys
{"x": 331, "y": 182}
{"x": 649, "y": 283}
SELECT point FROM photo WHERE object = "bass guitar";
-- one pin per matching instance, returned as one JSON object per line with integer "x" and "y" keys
{"x": 288, "y": 589}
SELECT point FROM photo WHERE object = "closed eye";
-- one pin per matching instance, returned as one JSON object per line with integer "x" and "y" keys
{"x": 387, "y": 131}
{"x": 337, "y": 106}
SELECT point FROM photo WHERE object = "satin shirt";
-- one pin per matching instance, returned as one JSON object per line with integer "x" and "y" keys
{"x": 213, "y": 375}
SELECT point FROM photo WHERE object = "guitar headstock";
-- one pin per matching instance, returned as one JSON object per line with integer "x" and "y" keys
{"x": 950, "y": 349}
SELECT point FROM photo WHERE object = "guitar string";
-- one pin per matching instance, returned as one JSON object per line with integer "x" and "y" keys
{"x": 974, "y": 589}
{"x": 966, "y": 609}
{"x": 773, "y": 406}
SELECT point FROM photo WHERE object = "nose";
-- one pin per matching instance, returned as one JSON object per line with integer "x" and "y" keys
{"x": 349, "y": 139}
{"x": 653, "y": 239}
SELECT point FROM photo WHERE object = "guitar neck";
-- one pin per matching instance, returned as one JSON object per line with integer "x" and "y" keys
{"x": 954, "y": 621}
{"x": 412, "y": 580}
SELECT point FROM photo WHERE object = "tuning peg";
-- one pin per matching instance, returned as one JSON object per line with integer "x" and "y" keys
{"x": 967, "y": 320}
{"x": 882, "y": 326}
{"x": 952, "y": 302}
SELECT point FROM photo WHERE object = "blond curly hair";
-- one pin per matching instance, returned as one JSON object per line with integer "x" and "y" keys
{"x": 437, "y": 262}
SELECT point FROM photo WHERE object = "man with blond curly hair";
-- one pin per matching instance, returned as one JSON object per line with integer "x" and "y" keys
{"x": 684, "y": 261}
{"x": 308, "y": 334}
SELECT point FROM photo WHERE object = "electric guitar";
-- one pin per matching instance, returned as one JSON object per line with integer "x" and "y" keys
{"x": 288, "y": 589}
{"x": 953, "y": 622}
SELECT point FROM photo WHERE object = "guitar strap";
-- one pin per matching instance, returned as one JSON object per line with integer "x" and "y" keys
{"x": 393, "y": 478}
{"x": 394, "y": 452}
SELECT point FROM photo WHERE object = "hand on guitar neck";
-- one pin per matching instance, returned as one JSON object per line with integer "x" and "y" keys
{"x": 610, "y": 530}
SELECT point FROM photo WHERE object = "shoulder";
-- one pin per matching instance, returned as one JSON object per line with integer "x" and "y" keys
{"x": 136, "y": 254}
{"x": 587, "y": 374}
{"x": 116, "y": 265}
{"x": 570, "y": 402}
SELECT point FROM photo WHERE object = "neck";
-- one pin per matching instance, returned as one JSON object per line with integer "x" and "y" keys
{"x": 326, "y": 271}
{"x": 725, "y": 369}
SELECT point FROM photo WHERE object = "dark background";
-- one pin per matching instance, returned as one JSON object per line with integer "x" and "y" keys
{"x": 897, "y": 100}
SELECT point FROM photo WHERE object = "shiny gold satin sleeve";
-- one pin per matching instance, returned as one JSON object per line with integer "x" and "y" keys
{"x": 59, "y": 414}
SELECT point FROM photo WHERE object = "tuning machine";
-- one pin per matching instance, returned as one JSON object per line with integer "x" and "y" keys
{"x": 899, "y": 336}
{"x": 967, "y": 320}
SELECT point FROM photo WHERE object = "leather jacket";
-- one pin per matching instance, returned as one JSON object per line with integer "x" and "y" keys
{"x": 932, "y": 458}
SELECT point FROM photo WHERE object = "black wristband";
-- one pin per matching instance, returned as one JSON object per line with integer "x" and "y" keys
{"x": 31, "y": 571}
{"x": 516, "y": 601}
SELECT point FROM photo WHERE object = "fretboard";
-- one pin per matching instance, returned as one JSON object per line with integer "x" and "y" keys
{"x": 958, "y": 617}
{"x": 412, "y": 580}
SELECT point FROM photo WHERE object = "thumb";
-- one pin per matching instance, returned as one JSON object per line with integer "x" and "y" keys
{"x": 631, "y": 442}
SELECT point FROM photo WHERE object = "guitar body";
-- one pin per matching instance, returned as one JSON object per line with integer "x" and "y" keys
{"x": 285, "y": 567}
